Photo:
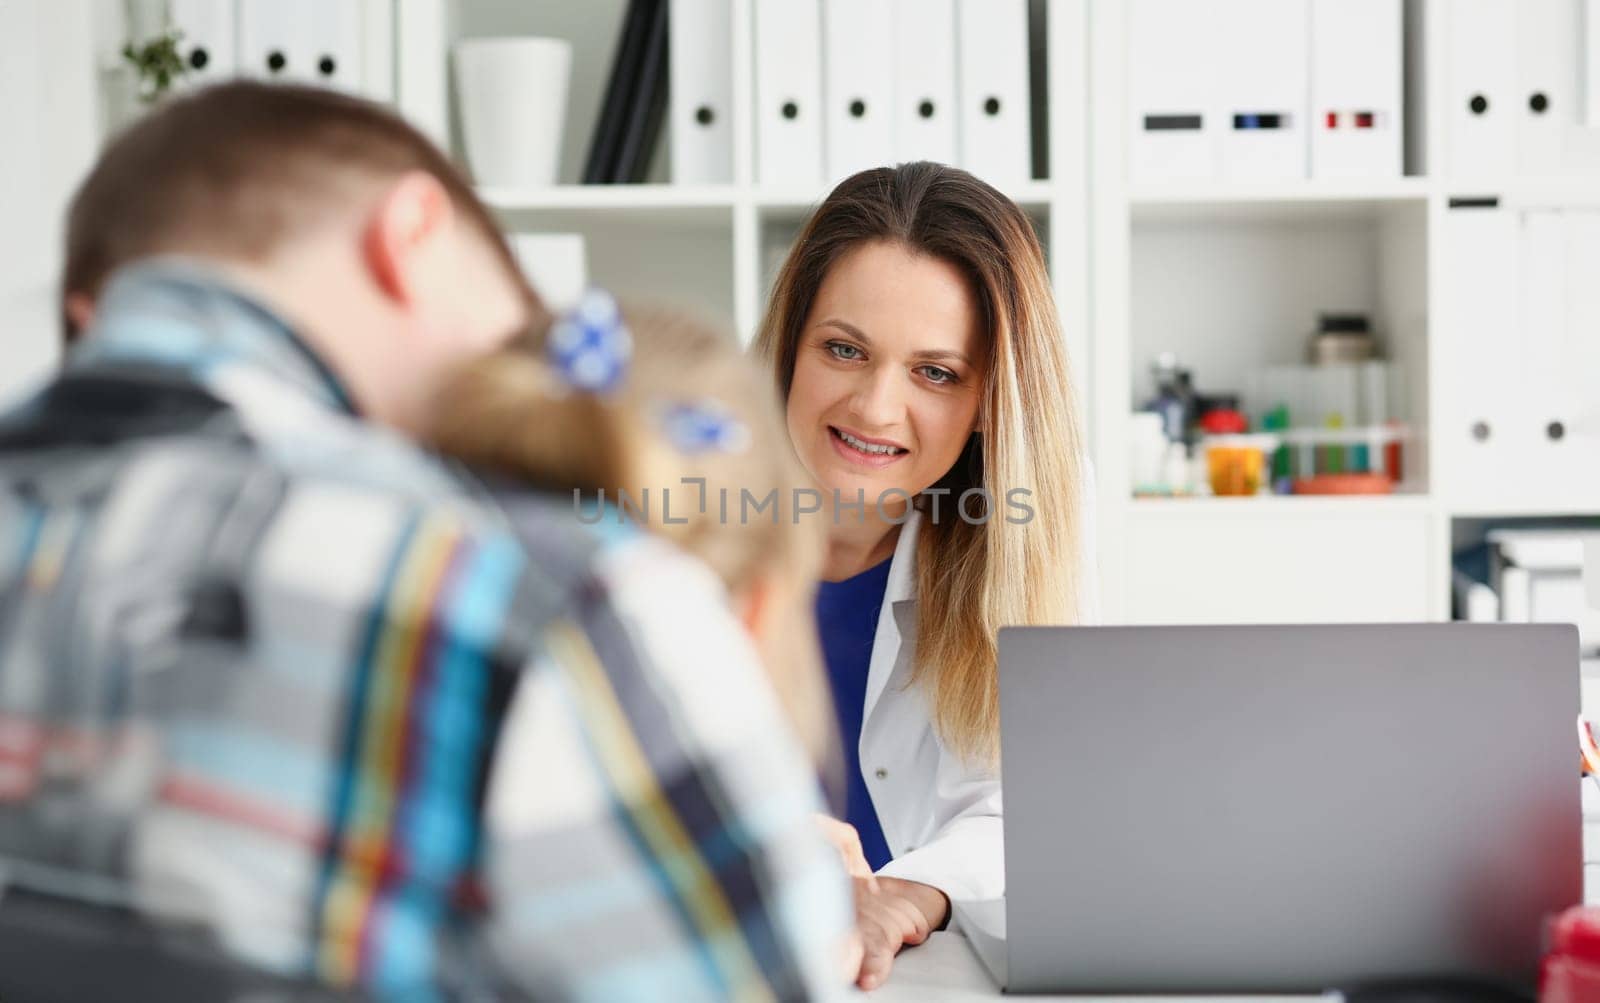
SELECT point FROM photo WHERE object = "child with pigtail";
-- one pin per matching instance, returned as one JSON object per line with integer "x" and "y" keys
{"x": 653, "y": 427}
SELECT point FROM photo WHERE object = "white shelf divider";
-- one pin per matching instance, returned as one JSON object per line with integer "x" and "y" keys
{"x": 1299, "y": 200}
{"x": 1331, "y": 506}
{"x": 748, "y": 298}
{"x": 1111, "y": 357}
{"x": 422, "y": 61}
{"x": 1067, "y": 24}
{"x": 610, "y": 198}
{"x": 1030, "y": 195}
{"x": 1308, "y": 191}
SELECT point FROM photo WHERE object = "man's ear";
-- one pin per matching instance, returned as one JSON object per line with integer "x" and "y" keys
{"x": 78, "y": 308}
{"x": 412, "y": 212}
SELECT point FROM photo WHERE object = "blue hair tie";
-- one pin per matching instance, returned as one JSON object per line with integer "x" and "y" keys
{"x": 703, "y": 427}
{"x": 590, "y": 347}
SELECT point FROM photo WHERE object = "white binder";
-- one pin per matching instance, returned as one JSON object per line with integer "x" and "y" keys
{"x": 305, "y": 41}
{"x": 788, "y": 53}
{"x": 700, "y": 67}
{"x": 994, "y": 123}
{"x": 1558, "y": 407}
{"x": 1546, "y": 98}
{"x": 858, "y": 85}
{"x": 1590, "y": 65}
{"x": 208, "y": 47}
{"x": 1263, "y": 88}
{"x": 1555, "y": 70}
{"x": 1480, "y": 445}
{"x": 329, "y": 42}
{"x": 1532, "y": 361}
{"x": 1357, "y": 110}
{"x": 924, "y": 80}
{"x": 1172, "y": 132}
{"x": 1581, "y": 357}
{"x": 268, "y": 40}
{"x": 1480, "y": 118}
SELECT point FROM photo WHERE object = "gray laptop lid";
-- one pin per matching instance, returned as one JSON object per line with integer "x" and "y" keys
{"x": 1285, "y": 808}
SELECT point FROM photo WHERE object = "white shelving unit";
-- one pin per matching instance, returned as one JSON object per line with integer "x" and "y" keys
{"x": 1306, "y": 245}
{"x": 1227, "y": 275}
{"x": 1230, "y": 275}
{"x": 751, "y": 223}
{"x": 1272, "y": 197}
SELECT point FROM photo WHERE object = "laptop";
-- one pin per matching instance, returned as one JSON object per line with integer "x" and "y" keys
{"x": 1281, "y": 809}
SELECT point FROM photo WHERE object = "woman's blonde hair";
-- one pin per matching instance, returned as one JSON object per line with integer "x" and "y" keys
{"x": 513, "y": 413}
{"x": 971, "y": 580}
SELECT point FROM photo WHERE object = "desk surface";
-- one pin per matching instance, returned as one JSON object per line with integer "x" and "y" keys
{"x": 945, "y": 968}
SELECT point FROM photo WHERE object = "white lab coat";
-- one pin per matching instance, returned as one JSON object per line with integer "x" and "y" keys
{"x": 941, "y": 816}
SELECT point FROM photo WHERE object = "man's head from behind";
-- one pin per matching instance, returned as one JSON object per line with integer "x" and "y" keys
{"x": 336, "y": 213}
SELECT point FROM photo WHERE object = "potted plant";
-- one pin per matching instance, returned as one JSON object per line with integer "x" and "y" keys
{"x": 157, "y": 64}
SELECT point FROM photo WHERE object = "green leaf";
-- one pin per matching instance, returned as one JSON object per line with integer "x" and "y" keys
{"x": 157, "y": 63}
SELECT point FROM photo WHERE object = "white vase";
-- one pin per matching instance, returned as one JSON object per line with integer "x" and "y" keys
{"x": 513, "y": 97}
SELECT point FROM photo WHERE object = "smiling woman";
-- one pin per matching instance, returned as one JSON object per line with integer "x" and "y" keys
{"x": 916, "y": 344}
{"x": 888, "y": 411}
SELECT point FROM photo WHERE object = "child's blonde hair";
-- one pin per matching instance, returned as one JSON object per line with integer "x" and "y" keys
{"x": 514, "y": 413}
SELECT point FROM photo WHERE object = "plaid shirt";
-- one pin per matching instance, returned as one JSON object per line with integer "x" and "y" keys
{"x": 272, "y": 669}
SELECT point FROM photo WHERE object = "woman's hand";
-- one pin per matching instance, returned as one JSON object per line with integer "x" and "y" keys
{"x": 890, "y": 912}
{"x": 892, "y": 915}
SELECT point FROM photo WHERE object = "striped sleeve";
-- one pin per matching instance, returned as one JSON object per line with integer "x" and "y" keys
{"x": 649, "y": 814}
{"x": 403, "y": 819}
